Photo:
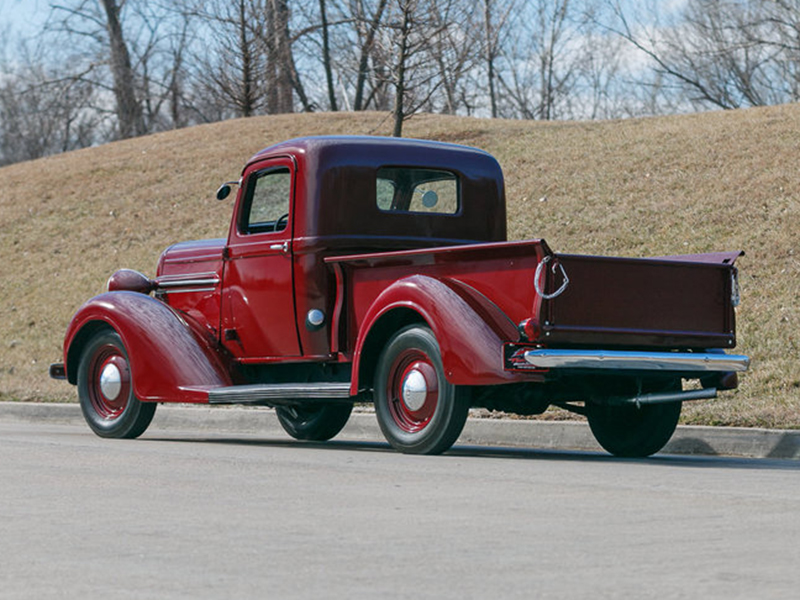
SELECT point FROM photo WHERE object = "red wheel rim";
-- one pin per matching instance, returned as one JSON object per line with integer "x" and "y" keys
{"x": 412, "y": 390}
{"x": 109, "y": 382}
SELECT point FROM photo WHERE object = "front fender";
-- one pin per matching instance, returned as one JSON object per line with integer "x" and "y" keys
{"x": 469, "y": 328}
{"x": 169, "y": 361}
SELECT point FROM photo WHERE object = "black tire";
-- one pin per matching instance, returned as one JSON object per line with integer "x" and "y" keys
{"x": 428, "y": 418}
{"x": 313, "y": 422}
{"x": 110, "y": 414}
{"x": 631, "y": 432}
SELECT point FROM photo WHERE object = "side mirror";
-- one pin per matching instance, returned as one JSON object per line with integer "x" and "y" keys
{"x": 223, "y": 192}
{"x": 225, "y": 189}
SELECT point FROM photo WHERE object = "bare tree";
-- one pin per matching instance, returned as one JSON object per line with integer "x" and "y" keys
{"x": 776, "y": 26}
{"x": 600, "y": 92}
{"x": 101, "y": 25}
{"x": 233, "y": 69}
{"x": 134, "y": 49}
{"x": 409, "y": 30}
{"x": 492, "y": 24}
{"x": 160, "y": 61}
{"x": 541, "y": 59}
{"x": 127, "y": 67}
{"x": 404, "y": 29}
{"x": 42, "y": 113}
{"x": 455, "y": 25}
{"x": 367, "y": 27}
{"x": 279, "y": 93}
{"x": 129, "y": 108}
{"x": 326, "y": 55}
{"x": 721, "y": 53}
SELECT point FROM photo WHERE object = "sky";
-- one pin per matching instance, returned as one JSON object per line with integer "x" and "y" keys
{"x": 23, "y": 17}
{"x": 27, "y": 16}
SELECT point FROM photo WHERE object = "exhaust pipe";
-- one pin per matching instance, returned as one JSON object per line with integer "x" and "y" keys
{"x": 664, "y": 397}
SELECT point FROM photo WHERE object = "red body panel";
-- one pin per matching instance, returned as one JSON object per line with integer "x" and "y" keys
{"x": 502, "y": 273}
{"x": 471, "y": 296}
{"x": 189, "y": 278}
{"x": 472, "y": 350}
{"x": 258, "y": 303}
{"x": 170, "y": 360}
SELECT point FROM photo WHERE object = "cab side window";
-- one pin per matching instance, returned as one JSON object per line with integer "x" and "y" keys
{"x": 267, "y": 207}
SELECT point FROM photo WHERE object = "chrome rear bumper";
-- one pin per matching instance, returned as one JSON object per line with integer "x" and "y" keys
{"x": 694, "y": 362}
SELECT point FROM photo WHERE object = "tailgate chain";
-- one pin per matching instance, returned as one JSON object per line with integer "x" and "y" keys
{"x": 538, "y": 274}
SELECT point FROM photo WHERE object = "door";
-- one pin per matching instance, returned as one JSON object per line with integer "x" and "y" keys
{"x": 259, "y": 321}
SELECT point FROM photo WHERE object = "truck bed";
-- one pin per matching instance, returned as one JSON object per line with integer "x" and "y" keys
{"x": 663, "y": 303}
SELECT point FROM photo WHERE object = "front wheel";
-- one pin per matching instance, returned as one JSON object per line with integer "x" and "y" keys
{"x": 313, "y": 422}
{"x": 105, "y": 389}
{"x": 418, "y": 410}
{"x": 631, "y": 431}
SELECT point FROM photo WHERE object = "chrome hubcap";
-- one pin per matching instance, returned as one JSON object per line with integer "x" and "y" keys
{"x": 111, "y": 381}
{"x": 415, "y": 390}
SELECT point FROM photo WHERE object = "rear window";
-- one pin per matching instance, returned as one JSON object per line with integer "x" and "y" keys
{"x": 414, "y": 190}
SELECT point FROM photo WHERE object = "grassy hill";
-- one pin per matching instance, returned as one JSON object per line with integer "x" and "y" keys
{"x": 686, "y": 184}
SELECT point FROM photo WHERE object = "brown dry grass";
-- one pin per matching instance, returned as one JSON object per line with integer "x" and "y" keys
{"x": 714, "y": 181}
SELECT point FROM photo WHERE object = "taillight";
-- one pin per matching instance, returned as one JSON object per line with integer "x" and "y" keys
{"x": 529, "y": 329}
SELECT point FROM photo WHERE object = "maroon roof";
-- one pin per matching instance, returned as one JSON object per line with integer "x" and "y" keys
{"x": 336, "y": 194}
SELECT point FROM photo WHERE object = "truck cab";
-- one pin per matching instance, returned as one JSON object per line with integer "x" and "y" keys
{"x": 305, "y": 200}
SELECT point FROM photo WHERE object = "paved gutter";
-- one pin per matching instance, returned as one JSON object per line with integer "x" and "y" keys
{"x": 550, "y": 435}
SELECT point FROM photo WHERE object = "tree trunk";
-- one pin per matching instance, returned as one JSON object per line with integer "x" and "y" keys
{"x": 490, "y": 54}
{"x": 283, "y": 82}
{"x": 248, "y": 101}
{"x": 129, "y": 110}
{"x": 326, "y": 57}
{"x": 400, "y": 82}
{"x": 366, "y": 51}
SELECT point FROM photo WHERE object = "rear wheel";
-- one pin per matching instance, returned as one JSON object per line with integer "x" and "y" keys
{"x": 105, "y": 389}
{"x": 631, "y": 431}
{"x": 313, "y": 422}
{"x": 418, "y": 410}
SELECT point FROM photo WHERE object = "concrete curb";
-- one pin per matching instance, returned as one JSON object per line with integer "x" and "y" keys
{"x": 550, "y": 435}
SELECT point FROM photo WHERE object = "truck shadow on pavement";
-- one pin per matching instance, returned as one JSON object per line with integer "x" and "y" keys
{"x": 500, "y": 452}
{"x": 664, "y": 459}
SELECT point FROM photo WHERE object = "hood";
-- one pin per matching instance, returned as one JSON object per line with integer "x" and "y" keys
{"x": 190, "y": 252}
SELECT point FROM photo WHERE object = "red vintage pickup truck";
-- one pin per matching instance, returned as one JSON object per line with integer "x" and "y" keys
{"x": 362, "y": 269}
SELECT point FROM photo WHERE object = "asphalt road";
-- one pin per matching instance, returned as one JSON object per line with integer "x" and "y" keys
{"x": 197, "y": 515}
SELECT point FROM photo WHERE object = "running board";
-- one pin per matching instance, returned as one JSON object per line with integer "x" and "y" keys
{"x": 279, "y": 393}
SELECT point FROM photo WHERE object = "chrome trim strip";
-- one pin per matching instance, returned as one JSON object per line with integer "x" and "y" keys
{"x": 185, "y": 276}
{"x": 637, "y": 361}
{"x": 194, "y": 281}
{"x": 185, "y": 290}
{"x": 237, "y": 394}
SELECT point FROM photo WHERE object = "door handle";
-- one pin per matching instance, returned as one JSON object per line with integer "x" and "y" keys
{"x": 284, "y": 247}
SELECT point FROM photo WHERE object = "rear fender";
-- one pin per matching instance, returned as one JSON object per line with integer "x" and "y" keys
{"x": 469, "y": 328}
{"x": 170, "y": 361}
